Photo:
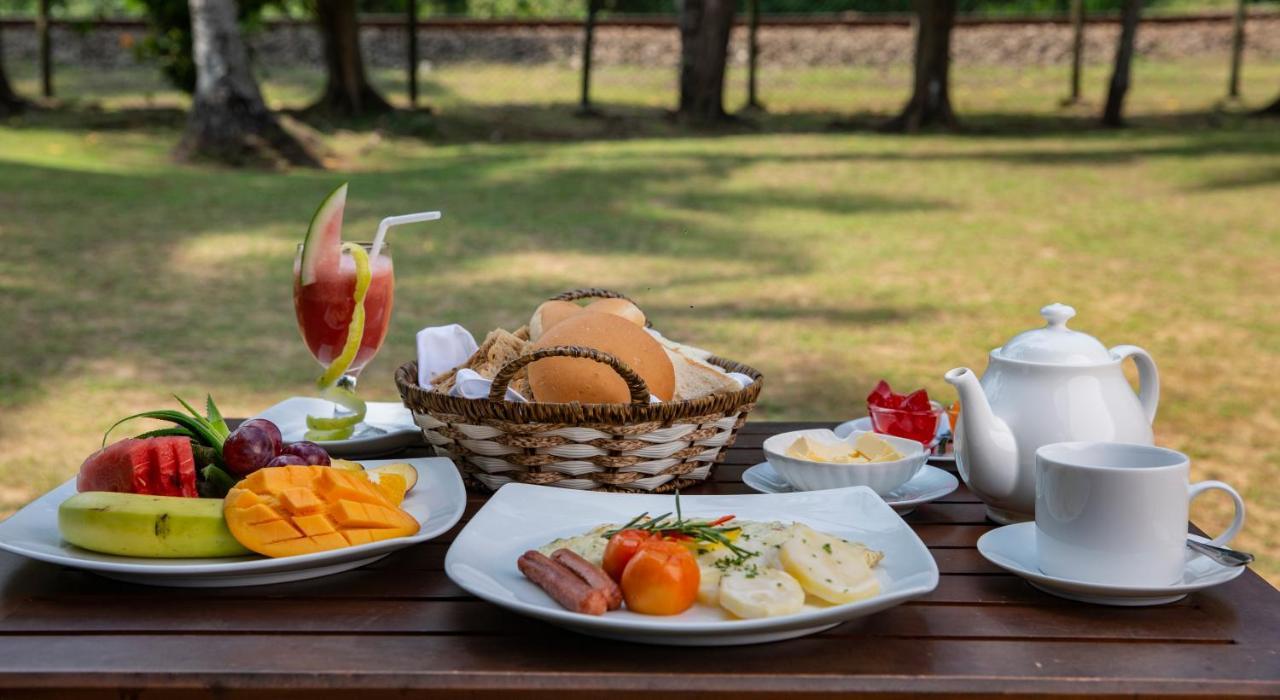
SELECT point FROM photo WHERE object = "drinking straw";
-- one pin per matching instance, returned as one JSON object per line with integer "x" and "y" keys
{"x": 396, "y": 221}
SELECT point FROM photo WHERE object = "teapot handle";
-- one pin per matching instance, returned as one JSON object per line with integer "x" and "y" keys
{"x": 1148, "y": 378}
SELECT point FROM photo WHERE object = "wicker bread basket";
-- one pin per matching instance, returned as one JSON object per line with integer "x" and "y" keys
{"x": 640, "y": 447}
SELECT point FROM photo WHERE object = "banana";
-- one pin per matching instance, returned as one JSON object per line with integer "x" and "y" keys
{"x": 132, "y": 525}
{"x": 755, "y": 592}
{"x": 828, "y": 567}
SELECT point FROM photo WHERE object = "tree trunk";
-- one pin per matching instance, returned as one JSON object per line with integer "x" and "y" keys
{"x": 46, "y": 49}
{"x": 228, "y": 121}
{"x": 347, "y": 91}
{"x": 1237, "y": 50}
{"x": 10, "y": 103}
{"x": 930, "y": 102}
{"x": 704, "y": 49}
{"x": 1113, "y": 113}
{"x": 1077, "y": 49}
{"x": 588, "y": 48}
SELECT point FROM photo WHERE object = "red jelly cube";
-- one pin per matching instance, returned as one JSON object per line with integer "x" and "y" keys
{"x": 882, "y": 395}
{"x": 917, "y": 400}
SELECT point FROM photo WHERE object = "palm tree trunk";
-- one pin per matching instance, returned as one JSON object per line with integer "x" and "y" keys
{"x": 1237, "y": 50}
{"x": 704, "y": 50}
{"x": 347, "y": 91}
{"x": 1077, "y": 49}
{"x": 930, "y": 102}
{"x": 413, "y": 52}
{"x": 229, "y": 122}
{"x": 46, "y": 49}
{"x": 10, "y": 102}
{"x": 585, "y": 109}
{"x": 1113, "y": 113}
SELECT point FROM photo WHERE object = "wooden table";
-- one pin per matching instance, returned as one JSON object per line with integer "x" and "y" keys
{"x": 401, "y": 624}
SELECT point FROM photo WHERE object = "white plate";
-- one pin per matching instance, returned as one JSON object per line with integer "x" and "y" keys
{"x": 864, "y": 423}
{"x": 520, "y": 517}
{"x": 437, "y": 501}
{"x": 387, "y": 426}
{"x": 929, "y": 484}
{"x": 1013, "y": 548}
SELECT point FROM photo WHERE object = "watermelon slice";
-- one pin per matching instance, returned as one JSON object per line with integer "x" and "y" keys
{"x": 161, "y": 466}
{"x": 164, "y": 464}
{"x": 322, "y": 248}
{"x": 123, "y": 467}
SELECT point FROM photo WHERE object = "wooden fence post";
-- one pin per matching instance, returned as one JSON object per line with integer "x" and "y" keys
{"x": 1237, "y": 50}
{"x": 753, "y": 54}
{"x": 46, "y": 49}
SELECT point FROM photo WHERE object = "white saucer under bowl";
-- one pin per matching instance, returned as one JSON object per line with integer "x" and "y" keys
{"x": 929, "y": 484}
{"x": 864, "y": 423}
{"x": 1013, "y": 548}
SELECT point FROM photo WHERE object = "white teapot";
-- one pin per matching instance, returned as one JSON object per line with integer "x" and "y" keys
{"x": 1045, "y": 385}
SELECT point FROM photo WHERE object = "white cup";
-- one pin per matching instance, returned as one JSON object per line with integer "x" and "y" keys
{"x": 1116, "y": 513}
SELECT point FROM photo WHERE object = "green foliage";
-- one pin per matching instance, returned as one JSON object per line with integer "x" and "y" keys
{"x": 168, "y": 44}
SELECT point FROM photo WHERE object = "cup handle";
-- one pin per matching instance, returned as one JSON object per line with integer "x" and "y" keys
{"x": 1238, "y": 522}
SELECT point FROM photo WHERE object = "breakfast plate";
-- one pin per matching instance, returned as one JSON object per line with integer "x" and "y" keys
{"x": 437, "y": 501}
{"x": 1013, "y": 548}
{"x": 929, "y": 484}
{"x": 387, "y": 427}
{"x": 864, "y": 423}
{"x": 521, "y": 517}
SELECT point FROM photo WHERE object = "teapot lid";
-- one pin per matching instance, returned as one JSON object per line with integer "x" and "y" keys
{"x": 1055, "y": 344}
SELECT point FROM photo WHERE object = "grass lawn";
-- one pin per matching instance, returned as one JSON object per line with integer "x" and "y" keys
{"x": 828, "y": 259}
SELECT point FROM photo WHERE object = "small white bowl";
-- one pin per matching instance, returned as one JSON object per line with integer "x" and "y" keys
{"x": 808, "y": 475}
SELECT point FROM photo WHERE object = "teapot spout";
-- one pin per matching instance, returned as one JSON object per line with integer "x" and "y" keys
{"x": 987, "y": 450}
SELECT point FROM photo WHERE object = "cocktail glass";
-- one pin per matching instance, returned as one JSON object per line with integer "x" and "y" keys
{"x": 325, "y": 306}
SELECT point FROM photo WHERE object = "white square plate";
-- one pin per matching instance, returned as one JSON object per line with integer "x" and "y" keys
{"x": 387, "y": 426}
{"x": 437, "y": 501}
{"x": 520, "y": 517}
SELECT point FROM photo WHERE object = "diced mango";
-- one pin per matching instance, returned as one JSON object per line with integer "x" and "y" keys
{"x": 285, "y": 511}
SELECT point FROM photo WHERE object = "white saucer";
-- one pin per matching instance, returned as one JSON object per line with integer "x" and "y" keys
{"x": 864, "y": 423}
{"x": 387, "y": 426}
{"x": 1013, "y": 548}
{"x": 929, "y": 484}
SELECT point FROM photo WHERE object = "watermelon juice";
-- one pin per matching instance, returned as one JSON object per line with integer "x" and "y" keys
{"x": 324, "y": 308}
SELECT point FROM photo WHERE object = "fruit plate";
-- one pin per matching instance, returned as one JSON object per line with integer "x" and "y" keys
{"x": 387, "y": 426}
{"x": 437, "y": 502}
{"x": 520, "y": 517}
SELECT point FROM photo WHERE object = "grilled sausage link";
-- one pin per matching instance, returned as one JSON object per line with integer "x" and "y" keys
{"x": 592, "y": 574}
{"x": 571, "y": 592}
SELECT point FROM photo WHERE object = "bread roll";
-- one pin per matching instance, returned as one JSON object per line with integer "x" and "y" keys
{"x": 619, "y": 307}
{"x": 567, "y": 379}
{"x": 696, "y": 378}
{"x": 548, "y": 314}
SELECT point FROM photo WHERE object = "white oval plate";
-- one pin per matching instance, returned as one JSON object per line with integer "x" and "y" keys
{"x": 929, "y": 484}
{"x": 387, "y": 426}
{"x": 1013, "y": 548}
{"x": 520, "y": 517}
{"x": 864, "y": 423}
{"x": 437, "y": 501}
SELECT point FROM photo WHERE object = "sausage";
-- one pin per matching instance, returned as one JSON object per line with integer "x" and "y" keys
{"x": 592, "y": 574}
{"x": 571, "y": 592}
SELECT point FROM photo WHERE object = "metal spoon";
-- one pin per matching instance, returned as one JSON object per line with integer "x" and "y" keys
{"x": 1222, "y": 555}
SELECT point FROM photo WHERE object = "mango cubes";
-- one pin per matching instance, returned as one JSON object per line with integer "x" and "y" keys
{"x": 286, "y": 511}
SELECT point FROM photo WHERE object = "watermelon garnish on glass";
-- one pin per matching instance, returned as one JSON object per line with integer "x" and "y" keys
{"x": 322, "y": 248}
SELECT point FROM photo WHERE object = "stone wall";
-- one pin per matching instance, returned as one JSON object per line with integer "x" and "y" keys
{"x": 1011, "y": 44}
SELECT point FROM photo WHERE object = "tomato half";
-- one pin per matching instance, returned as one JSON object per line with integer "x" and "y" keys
{"x": 622, "y": 546}
{"x": 662, "y": 578}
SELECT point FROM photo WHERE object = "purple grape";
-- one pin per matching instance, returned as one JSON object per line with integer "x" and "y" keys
{"x": 310, "y": 452}
{"x": 286, "y": 460}
{"x": 251, "y": 446}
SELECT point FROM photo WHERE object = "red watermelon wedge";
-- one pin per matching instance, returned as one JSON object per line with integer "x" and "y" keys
{"x": 162, "y": 466}
{"x": 322, "y": 248}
